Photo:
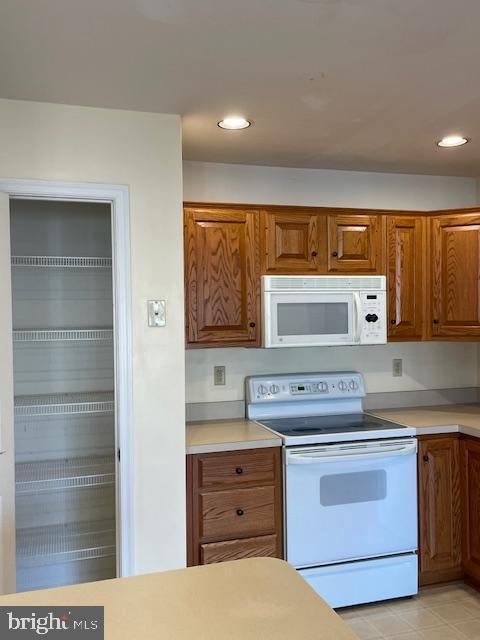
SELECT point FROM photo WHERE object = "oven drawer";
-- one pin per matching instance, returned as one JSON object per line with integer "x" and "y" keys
{"x": 236, "y": 468}
{"x": 344, "y": 585}
{"x": 260, "y": 546}
{"x": 237, "y": 513}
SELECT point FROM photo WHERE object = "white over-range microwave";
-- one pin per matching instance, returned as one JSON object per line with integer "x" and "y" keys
{"x": 310, "y": 311}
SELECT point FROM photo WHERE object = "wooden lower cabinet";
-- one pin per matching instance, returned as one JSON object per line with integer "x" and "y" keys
{"x": 234, "y": 505}
{"x": 439, "y": 503}
{"x": 237, "y": 549}
{"x": 470, "y": 481}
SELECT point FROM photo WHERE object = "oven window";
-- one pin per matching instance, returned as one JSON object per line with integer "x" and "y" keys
{"x": 347, "y": 488}
{"x": 312, "y": 318}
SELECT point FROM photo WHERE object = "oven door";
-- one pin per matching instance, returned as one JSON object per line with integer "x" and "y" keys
{"x": 311, "y": 319}
{"x": 351, "y": 501}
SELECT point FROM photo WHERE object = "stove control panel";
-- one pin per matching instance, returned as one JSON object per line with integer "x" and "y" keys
{"x": 309, "y": 387}
{"x": 313, "y": 387}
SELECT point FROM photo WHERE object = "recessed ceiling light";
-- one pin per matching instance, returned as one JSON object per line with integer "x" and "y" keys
{"x": 234, "y": 122}
{"x": 452, "y": 141}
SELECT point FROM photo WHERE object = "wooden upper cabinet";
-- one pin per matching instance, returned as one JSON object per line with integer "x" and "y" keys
{"x": 455, "y": 273}
{"x": 222, "y": 276}
{"x": 439, "y": 504}
{"x": 406, "y": 251}
{"x": 471, "y": 507}
{"x": 292, "y": 242}
{"x": 355, "y": 243}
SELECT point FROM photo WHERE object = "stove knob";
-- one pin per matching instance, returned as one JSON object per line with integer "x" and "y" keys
{"x": 274, "y": 389}
{"x": 353, "y": 384}
{"x": 262, "y": 390}
{"x": 342, "y": 385}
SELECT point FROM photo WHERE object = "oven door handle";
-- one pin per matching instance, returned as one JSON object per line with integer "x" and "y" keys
{"x": 357, "y": 310}
{"x": 316, "y": 458}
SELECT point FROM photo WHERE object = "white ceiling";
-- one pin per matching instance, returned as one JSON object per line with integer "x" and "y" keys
{"x": 344, "y": 84}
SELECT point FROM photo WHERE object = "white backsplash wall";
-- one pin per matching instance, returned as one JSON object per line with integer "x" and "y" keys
{"x": 426, "y": 365}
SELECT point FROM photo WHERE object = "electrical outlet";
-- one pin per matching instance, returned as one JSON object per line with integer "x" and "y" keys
{"x": 397, "y": 367}
{"x": 219, "y": 375}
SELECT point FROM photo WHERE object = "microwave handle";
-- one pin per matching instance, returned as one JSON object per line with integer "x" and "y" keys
{"x": 316, "y": 458}
{"x": 357, "y": 312}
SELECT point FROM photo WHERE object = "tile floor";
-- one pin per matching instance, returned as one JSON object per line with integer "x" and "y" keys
{"x": 450, "y": 612}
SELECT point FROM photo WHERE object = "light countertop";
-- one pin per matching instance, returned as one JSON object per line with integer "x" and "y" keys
{"x": 228, "y": 435}
{"x": 450, "y": 418}
{"x": 243, "y": 600}
{"x": 231, "y": 435}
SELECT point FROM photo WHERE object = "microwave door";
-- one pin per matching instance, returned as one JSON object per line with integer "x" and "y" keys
{"x": 322, "y": 319}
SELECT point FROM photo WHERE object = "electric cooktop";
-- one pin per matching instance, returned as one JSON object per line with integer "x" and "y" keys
{"x": 317, "y": 408}
{"x": 311, "y": 425}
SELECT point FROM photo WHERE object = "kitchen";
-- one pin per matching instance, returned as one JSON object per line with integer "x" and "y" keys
{"x": 406, "y": 215}
{"x": 445, "y": 456}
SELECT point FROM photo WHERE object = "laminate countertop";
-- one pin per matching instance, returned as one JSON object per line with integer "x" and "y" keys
{"x": 450, "y": 418}
{"x": 243, "y": 600}
{"x": 231, "y": 435}
{"x": 228, "y": 435}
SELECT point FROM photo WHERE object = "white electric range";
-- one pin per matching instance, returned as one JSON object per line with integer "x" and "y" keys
{"x": 350, "y": 486}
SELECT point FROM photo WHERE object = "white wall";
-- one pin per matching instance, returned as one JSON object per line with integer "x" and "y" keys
{"x": 143, "y": 151}
{"x": 426, "y": 365}
{"x": 206, "y": 181}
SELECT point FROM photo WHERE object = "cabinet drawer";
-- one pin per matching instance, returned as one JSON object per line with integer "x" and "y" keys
{"x": 237, "y": 549}
{"x": 237, "y": 513}
{"x": 236, "y": 468}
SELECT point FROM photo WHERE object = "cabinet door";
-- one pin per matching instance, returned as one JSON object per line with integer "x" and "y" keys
{"x": 439, "y": 509}
{"x": 291, "y": 242}
{"x": 455, "y": 275}
{"x": 406, "y": 259}
{"x": 471, "y": 507}
{"x": 222, "y": 277}
{"x": 355, "y": 243}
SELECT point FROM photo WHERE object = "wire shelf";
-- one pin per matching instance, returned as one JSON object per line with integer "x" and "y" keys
{"x": 62, "y": 335}
{"x": 68, "y": 473}
{"x": 62, "y": 262}
{"x": 61, "y": 543}
{"x": 64, "y": 404}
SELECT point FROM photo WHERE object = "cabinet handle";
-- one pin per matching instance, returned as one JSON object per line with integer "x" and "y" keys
{"x": 314, "y": 254}
{"x": 239, "y": 470}
{"x": 334, "y": 254}
{"x": 393, "y": 321}
{"x": 251, "y": 324}
{"x": 426, "y": 458}
{"x": 240, "y": 512}
{"x": 435, "y": 322}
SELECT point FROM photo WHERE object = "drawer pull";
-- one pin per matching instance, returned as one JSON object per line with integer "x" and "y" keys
{"x": 240, "y": 512}
{"x": 239, "y": 470}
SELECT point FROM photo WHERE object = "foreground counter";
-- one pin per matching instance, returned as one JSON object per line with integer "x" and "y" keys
{"x": 257, "y": 599}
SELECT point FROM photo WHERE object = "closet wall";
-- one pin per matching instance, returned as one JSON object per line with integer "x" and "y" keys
{"x": 64, "y": 393}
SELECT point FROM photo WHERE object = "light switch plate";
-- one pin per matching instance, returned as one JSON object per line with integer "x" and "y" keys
{"x": 157, "y": 316}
